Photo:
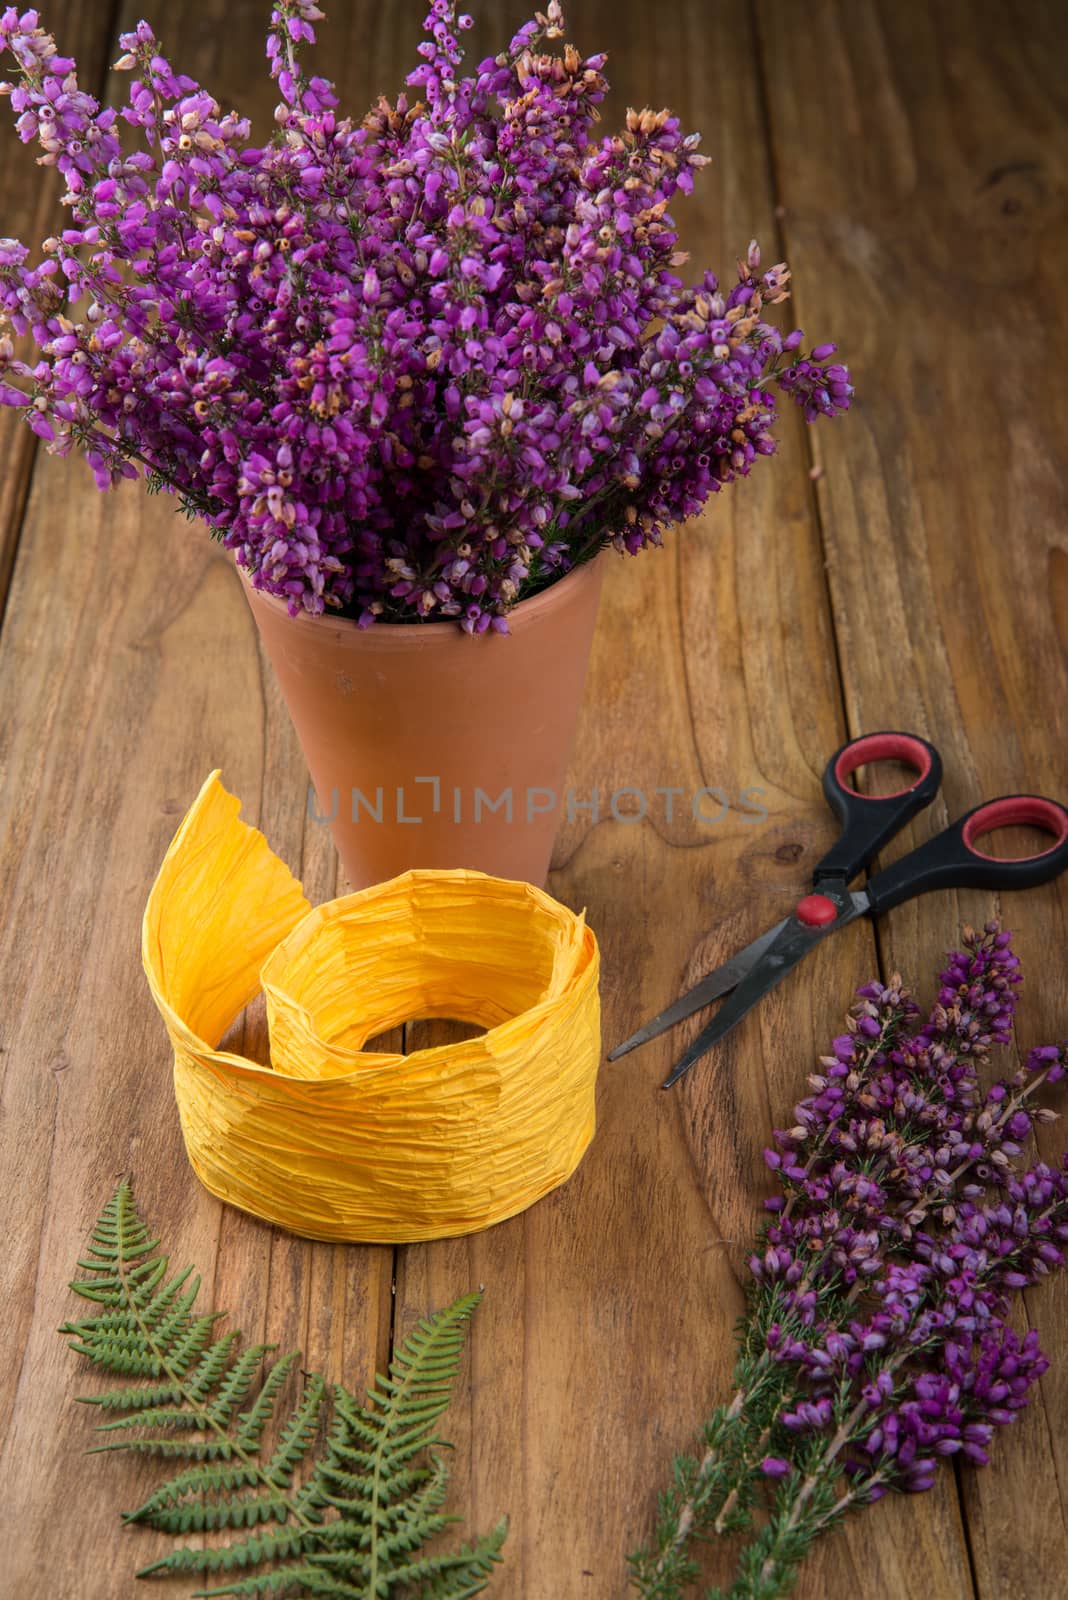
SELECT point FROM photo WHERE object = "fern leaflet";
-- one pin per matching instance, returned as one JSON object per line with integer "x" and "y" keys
{"x": 347, "y": 1521}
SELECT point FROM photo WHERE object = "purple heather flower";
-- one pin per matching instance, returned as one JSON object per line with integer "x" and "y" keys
{"x": 887, "y": 1269}
{"x": 407, "y": 367}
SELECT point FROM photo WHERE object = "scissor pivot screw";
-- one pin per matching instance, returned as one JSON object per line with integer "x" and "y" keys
{"x": 816, "y": 911}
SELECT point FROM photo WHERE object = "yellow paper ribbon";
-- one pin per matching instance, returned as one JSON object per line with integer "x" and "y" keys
{"x": 336, "y": 1142}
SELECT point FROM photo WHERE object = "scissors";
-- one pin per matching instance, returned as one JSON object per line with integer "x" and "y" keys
{"x": 951, "y": 860}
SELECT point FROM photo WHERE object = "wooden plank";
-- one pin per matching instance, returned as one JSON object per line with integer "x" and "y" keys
{"x": 131, "y": 657}
{"x": 31, "y": 212}
{"x": 605, "y": 1336}
{"x": 606, "y": 1330}
{"x": 932, "y": 251}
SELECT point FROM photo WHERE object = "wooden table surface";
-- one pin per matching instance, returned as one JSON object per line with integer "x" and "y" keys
{"x": 906, "y": 566}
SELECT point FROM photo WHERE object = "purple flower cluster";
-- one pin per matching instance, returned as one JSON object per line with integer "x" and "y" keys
{"x": 412, "y": 367}
{"x": 904, "y": 1228}
{"x": 877, "y": 1341}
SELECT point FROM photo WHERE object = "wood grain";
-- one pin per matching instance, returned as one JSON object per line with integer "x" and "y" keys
{"x": 132, "y": 658}
{"x": 945, "y": 518}
{"x": 911, "y": 161}
{"x": 613, "y": 1302}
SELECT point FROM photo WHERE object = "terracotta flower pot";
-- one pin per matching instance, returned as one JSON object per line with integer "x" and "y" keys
{"x": 430, "y": 748}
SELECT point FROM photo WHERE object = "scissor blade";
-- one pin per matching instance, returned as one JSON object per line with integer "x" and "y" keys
{"x": 792, "y": 945}
{"x": 717, "y": 983}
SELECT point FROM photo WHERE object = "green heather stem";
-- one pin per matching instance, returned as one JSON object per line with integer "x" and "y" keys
{"x": 748, "y": 1467}
{"x": 804, "y": 1510}
{"x": 715, "y": 1493}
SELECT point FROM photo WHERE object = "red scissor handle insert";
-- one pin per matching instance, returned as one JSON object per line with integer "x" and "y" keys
{"x": 1018, "y": 810}
{"x": 870, "y": 820}
{"x": 883, "y": 747}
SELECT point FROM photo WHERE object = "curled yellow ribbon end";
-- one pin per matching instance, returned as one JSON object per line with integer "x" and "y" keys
{"x": 336, "y": 1142}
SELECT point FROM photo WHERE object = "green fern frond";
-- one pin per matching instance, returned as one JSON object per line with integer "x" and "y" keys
{"x": 199, "y": 1480}
{"x": 349, "y": 1522}
{"x": 297, "y": 1434}
{"x": 251, "y": 1423}
{"x": 201, "y": 1515}
{"x": 282, "y": 1581}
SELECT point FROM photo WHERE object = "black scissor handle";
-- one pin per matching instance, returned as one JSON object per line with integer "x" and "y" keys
{"x": 953, "y": 860}
{"x": 868, "y": 821}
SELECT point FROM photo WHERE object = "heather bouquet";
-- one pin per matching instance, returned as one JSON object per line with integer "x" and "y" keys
{"x": 877, "y": 1341}
{"x": 415, "y": 366}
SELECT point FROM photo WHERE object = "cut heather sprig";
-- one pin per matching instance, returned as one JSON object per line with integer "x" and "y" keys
{"x": 876, "y": 1341}
{"x": 413, "y": 367}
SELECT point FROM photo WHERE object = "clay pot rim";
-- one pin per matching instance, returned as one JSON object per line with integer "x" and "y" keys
{"x": 395, "y": 631}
